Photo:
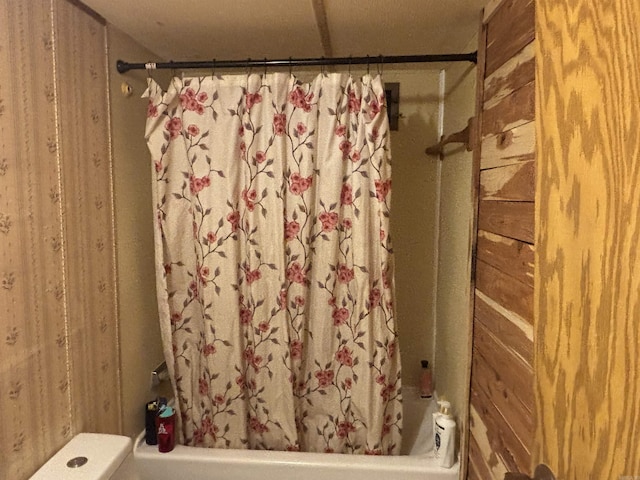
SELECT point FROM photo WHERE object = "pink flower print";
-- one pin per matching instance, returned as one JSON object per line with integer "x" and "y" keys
{"x": 203, "y": 386}
{"x": 340, "y": 316}
{"x": 346, "y": 195}
{"x": 374, "y": 107}
{"x": 329, "y": 221}
{"x": 293, "y": 448}
{"x": 234, "y": 219}
{"x": 263, "y": 327}
{"x": 391, "y": 349}
{"x": 174, "y": 126}
{"x": 209, "y": 349}
{"x": 261, "y": 157}
{"x": 344, "y": 356}
{"x": 211, "y": 237}
{"x": 348, "y": 383}
{"x": 341, "y": 130}
{"x": 243, "y": 148}
{"x": 345, "y": 428}
{"x": 355, "y": 156}
{"x": 291, "y": 230}
{"x": 375, "y": 451}
{"x": 246, "y": 316}
{"x": 252, "y": 99}
{"x": 295, "y": 273}
{"x": 387, "y": 392}
{"x": 382, "y": 189}
{"x": 328, "y": 450}
{"x": 256, "y": 426}
{"x": 332, "y": 301}
{"x": 158, "y": 166}
{"x": 203, "y": 273}
{"x": 383, "y": 234}
{"x": 190, "y": 101}
{"x": 299, "y": 300}
{"x": 325, "y": 378}
{"x": 167, "y": 268}
{"x": 152, "y": 110}
{"x": 252, "y": 276}
{"x": 354, "y": 102}
{"x": 241, "y": 131}
{"x": 295, "y": 349}
{"x": 345, "y": 148}
{"x": 301, "y": 128}
{"x": 193, "y": 130}
{"x": 240, "y": 381}
{"x": 218, "y": 398}
{"x": 381, "y": 379}
{"x": 386, "y": 281}
{"x": 176, "y": 318}
{"x": 299, "y": 184}
{"x": 197, "y": 184}
{"x": 282, "y": 299}
{"x": 298, "y": 98}
{"x": 249, "y": 197}
{"x": 374, "y": 297}
{"x": 279, "y": 123}
{"x": 346, "y": 223}
{"x": 374, "y": 133}
{"x": 345, "y": 274}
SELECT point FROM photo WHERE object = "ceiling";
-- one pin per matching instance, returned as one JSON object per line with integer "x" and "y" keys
{"x": 241, "y": 29}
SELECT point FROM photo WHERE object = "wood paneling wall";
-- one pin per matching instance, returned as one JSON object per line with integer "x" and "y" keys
{"x": 587, "y": 263}
{"x": 502, "y": 400}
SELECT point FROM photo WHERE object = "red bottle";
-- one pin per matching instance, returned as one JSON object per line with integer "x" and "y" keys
{"x": 166, "y": 425}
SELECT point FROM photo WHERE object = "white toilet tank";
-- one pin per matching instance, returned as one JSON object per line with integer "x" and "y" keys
{"x": 88, "y": 456}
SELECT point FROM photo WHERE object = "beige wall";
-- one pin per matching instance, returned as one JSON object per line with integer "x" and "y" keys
{"x": 414, "y": 217}
{"x": 453, "y": 324}
{"x": 59, "y": 372}
{"x": 140, "y": 344}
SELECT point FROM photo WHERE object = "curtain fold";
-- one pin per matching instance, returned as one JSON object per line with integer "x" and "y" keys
{"x": 274, "y": 263}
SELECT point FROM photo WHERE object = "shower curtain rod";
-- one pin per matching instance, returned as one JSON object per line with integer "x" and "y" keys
{"x": 123, "y": 66}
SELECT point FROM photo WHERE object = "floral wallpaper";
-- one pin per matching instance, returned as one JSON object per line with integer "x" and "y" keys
{"x": 59, "y": 371}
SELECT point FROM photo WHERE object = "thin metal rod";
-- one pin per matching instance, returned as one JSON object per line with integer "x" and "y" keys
{"x": 123, "y": 66}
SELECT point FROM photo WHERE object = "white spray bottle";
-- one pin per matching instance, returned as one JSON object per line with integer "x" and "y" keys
{"x": 445, "y": 435}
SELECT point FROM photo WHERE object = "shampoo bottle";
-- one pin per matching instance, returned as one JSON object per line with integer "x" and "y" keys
{"x": 426, "y": 381}
{"x": 445, "y": 436}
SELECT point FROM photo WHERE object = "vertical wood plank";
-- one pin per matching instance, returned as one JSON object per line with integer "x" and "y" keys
{"x": 587, "y": 281}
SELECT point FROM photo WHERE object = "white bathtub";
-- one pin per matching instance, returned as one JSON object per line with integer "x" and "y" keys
{"x": 188, "y": 463}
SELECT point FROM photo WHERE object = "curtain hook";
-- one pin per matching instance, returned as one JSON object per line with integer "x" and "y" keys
{"x": 149, "y": 66}
{"x": 213, "y": 68}
{"x": 368, "y": 65}
{"x": 290, "y": 66}
{"x": 350, "y": 57}
{"x": 322, "y": 65}
{"x": 381, "y": 65}
{"x": 265, "y": 66}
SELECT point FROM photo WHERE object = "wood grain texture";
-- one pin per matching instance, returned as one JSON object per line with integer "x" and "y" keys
{"x": 511, "y": 256}
{"x": 510, "y": 28}
{"x": 587, "y": 265}
{"x": 515, "y": 183}
{"x": 505, "y": 290}
{"x": 515, "y": 73}
{"x": 510, "y": 219}
{"x": 487, "y": 459}
{"x": 510, "y": 328}
{"x": 512, "y": 111}
{"x": 509, "y": 147}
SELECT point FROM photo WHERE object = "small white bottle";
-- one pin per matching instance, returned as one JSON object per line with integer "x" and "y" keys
{"x": 445, "y": 435}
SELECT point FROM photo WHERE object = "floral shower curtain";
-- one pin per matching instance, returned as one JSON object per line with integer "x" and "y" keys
{"x": 274, "y": 263}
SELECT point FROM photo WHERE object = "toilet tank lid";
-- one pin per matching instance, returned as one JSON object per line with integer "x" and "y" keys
{"x": 104, "y": 453}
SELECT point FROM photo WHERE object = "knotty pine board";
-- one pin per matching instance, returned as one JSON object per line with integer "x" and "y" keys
{"x": 513, "y": 74}
{"x": 512, "y": 257}
{"x": 509, "y": 147}
{"x": 515, "y": 183}
{"x": 510, "y": 219}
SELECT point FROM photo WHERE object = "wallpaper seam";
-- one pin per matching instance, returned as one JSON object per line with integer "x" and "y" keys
{"x": 114, "y": 256}
{"x": 61, "y": 203}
